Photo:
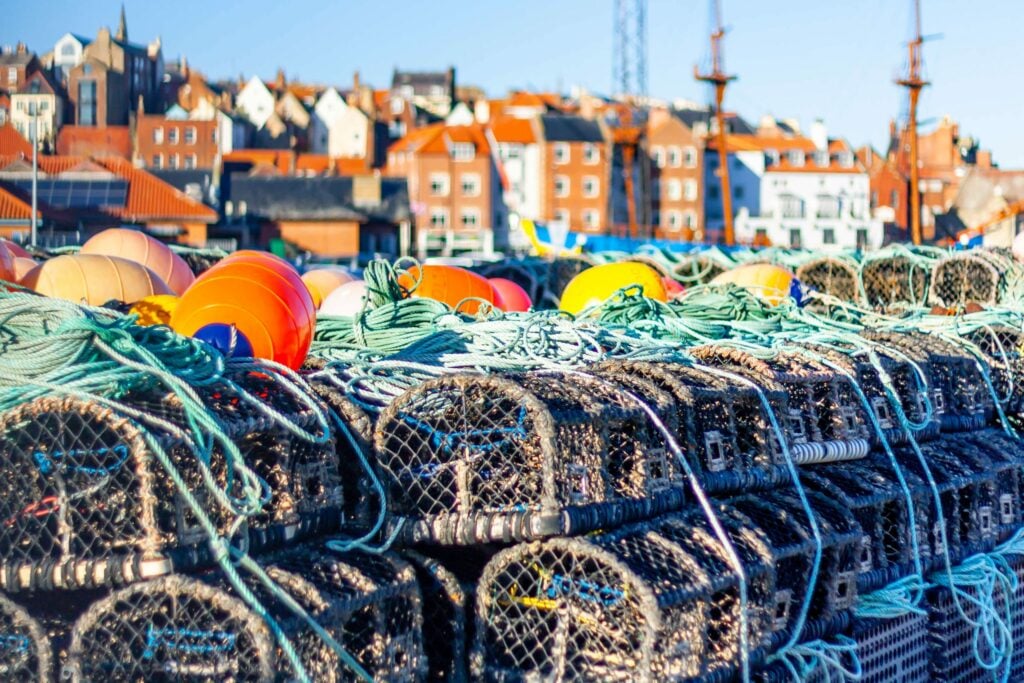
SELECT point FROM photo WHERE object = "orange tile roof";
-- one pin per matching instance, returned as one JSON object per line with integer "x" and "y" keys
{"x": 113, "y": 141}
{"x": 761, "y": 143}
{"x": 415, "y": 138}
{"x": 508, "y": 129}
{"x": 435, "y": 138}
{"x": 13, "y": 208}
{"x": 11, "y": 141}
{"x": 318, "y": 163}
{"x": 150, "y": 198}
{"x": 344, "y": 166}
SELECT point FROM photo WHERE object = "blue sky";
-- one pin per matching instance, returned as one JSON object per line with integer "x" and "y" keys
{"x": 834, "y": 59}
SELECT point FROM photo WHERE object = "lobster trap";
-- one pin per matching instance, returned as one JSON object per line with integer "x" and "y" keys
{"x": 654, "y": 601}
{"x": 895, "y": 278}
{"x": 26, "y": 653}
{"x": 88, "y": 503}
{"x": 821, "y": 418}
{"x": 976, "y": 276}
{"x": 527, "y": 273}
{"x": 473, "y": 459}
{"x": 1003, "y": 349}
{"x": 444, "y": 619}
{"x": 178, "y": 627}
{"x": 560, "y": 272}
{"x": 698, "y": 269}
{"x": 719, "y": 422}
{"x": 833, "y": 276}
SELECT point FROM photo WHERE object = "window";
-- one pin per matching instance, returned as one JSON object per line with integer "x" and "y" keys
{"x": 439, "y": 184}
{"x": 463, "y": 151}
{"x": 190, "y": 135}
{"x": 158, "y": 161}
{"x": 87, "y": 103}
{"x": 561, "y": 152}
{"x": 510, "y": 151}
{"x": 846, "y": 159}
{"x": 68, "y": 49}
{"x": 821, "y": 159}
{"x": 828, "y": 236}
{"x": 591, "y": 154}
{"x": 174, "y": 161}
{"x": 44, "y": 105}
{"x": 713, "y": 192}
{"x": 191, "y": 161}
{"x": 674, "y": 220}
{"x": 792, "y": 206}
{"x": 562, "y": 216}
{"x": 172, "y": 136}
{"x": 213, "y": 136}
{"x": 761, "y": 236}
{"x": 862, "y": 238}
{"x": 771, "y": 157}
{"x": 561, "y": 186}
{"x": 794, "y": 238}
{"x": 828, "y": 206}
{"x": 470, "y": 184}
{"x": 658, "y": 154}
{"x": 737, "y": 192}
{"x": 874, "y": 198}
{"x": 796, "y": 157}
{"x": 470, "y": 218}
{"x": 397, "y": 105}
{"x": 675, "y": 157}
{"x": 690, "y": 157}
{"x": 674, "y": 189}
{"x": 690, "y": 190}
{"x": 591, "y": 186}
{"x": 592, "y": 218}
{"x": 158, "y": 136}
{"x": 438, "y": 218}
{"x": 689, "y": 219}
{"x": 12, "y": 74}
{"x": 894, "y": 199}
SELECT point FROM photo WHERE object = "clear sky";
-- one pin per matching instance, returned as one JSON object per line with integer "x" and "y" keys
{"x": 833, "y": 59}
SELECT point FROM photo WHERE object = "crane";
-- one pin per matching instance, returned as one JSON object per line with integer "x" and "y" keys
{"x": 719, "y": 79}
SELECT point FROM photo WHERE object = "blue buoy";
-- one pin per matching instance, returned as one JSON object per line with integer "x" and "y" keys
{"x": 226, "y": 339}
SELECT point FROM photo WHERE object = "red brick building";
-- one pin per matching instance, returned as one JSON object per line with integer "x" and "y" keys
{"x": 889, "y": 192}
{"x": 575, "y": 173}
{"x": 163, "y": 142}
{"x": 677, "y": 173}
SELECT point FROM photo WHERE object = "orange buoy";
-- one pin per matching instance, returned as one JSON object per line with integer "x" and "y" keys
{"x": 323, "y": 281}
{"x": 16, "y": 249}
{"x": 448, "y": 284}
{"x": 94, "y": 279}
{"x": 137, "y": 246}
{"x": 254, "y": 295}
{"x": 22, "y": 266}
{"x": 509, "y": 296}
{"x": 258, "y": 254}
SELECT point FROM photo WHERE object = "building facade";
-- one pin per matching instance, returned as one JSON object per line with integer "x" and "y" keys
{"x": 38, "y": 102}
{"x": 576, "y": 173}
{"x": 175, "y": 141}
{"x": 677, "y": 177}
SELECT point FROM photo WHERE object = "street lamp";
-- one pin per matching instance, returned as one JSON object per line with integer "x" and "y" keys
{"x": 34, "y": 129}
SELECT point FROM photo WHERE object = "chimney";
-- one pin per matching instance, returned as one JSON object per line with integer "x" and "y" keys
{"x": 984, "y": 158}
{"x": 819, "y": 135}
{"x": 21, "y": 48}
{"x": 657, "y": 116}
{"x": 451, "y": 83}
{"x": 355, "y": 81}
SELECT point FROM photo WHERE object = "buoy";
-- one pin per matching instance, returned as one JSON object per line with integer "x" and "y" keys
{"x": 766, "y": 281}
{"x": 598, "y": 283}
{"x": 346, "y": 300}
{"x": 673, "y": 287}
{"x": 226, "y": 339}
{"x": 323, "y": 281}
{"x": 448, "y": 284}
{"x": 139, "y": 247}
{"x": 509, "y": 296}
{"x": 16, "y": 249}
{"x": 155, "y": 310}
{"x": 94, "y": 279}
{"x": 272, "y": 309}
{"x": 22, "y": 266}
{"x": 6, "y": 263}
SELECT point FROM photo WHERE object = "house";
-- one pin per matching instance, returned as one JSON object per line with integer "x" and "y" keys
{"x": 84, "y": 196}
{"x": 430, "y": 90}
{"x": 676, "y": 148}
{"x": 889, "y": 192}
{"x": 991, "y": 199}
{"x": 113, "y": 77}
{"x": 339, "y": 129}
{"x": 813, "y": 196}
{"x": 255, "y": 102}
{"x": 173, "y": 140}
{"x": 330, "y": 216}
{"x": 233, "y": 131}
{"x": 38, "y": 101}
{"x": 5, "y": 106}
{"x": 575, "y": 173}
{"x": 453, "y": 188}
{"x": 68, "y": 52}
{"x": 89, "y": 141}
{"x": 519, "y": 153}
{"x": 16, "y": 66}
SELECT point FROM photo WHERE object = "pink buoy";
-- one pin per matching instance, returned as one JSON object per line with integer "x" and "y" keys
{"x": 509, "y": 296}
{"x": 347, "y": 300}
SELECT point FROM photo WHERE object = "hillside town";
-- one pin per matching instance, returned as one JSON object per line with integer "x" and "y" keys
{"x": 426, "y": 165}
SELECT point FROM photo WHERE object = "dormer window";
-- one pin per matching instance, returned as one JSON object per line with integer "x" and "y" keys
{"x": 771, "y": 157}
{"x": 846, "y": 159}
{"x": 821, "y": 159}
{"x": 796, "y": 157}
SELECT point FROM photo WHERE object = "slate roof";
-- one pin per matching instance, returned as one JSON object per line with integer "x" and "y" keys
{"x": 570, "y": 129}
{"x": 317, "y": 198}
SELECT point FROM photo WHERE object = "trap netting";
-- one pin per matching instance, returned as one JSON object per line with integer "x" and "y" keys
{"x": 472, "y": 458}
{"x": 199, "y": 260}
{"x": 444, "y": 619}
{"x": 832, "y": 275}
{"x": 25, "y": 650}
{"x": 183, "y": 628}
{"x": 892, "y": 278}
{"x": 958, "y": 393}
{"x": 528, "y": 274}
{"x": 1003, "y": 349}
{"x": 87, "y": 503}
{"x": 560, "y": 272}
{"x": 977, "y": 276}
{"x": 822, "y": 417}
{"x": 718, "y": 421}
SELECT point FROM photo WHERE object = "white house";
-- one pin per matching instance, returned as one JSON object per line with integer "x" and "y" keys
{"x": 38, "y": 102}
{"x": 817, "y": 199}
{"x": 339, "y": 129}
{"x": 519, "y": 158}
{"x": 255, "y": 102}
{"x": 68, "y": 53}
{"x": 232, "y": 131}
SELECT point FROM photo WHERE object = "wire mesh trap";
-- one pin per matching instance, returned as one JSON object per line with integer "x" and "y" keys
{"x": 184, "y": 628}
{"x": 1003, "y": 348}
{"x": 25, "y": 649}
{"x": 975, "y": 276}
{"x": 653, "y": 601}
{"x": 560, "y": 272}
{"x": 822, "y": 418}
{"x": 833, "y": 276}
{"x": 473, "y": 459}
{"x": 444, "y": 619}
{"x": 527, "y": 274}
{"x": 719, "y": 423}
{"x": 697, "y": 269}
{"x": 88, "y": 503}
{"x": 894, "y": 279}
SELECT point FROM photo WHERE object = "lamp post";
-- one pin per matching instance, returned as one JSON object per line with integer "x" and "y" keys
{"x": 35, "y": 168}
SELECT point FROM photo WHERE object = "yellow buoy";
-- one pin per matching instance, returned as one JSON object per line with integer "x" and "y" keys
{"x": 93, "y": 279}
{"x": 155, "y": 310}
{"x": 598, "y": 283}
{"x": 766, "y": 281}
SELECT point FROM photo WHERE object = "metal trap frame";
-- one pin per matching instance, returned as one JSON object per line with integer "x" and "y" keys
{"x": 832, "y": 275}
{"x": 444, "y": 619}
{"x": 893, "y": 279}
